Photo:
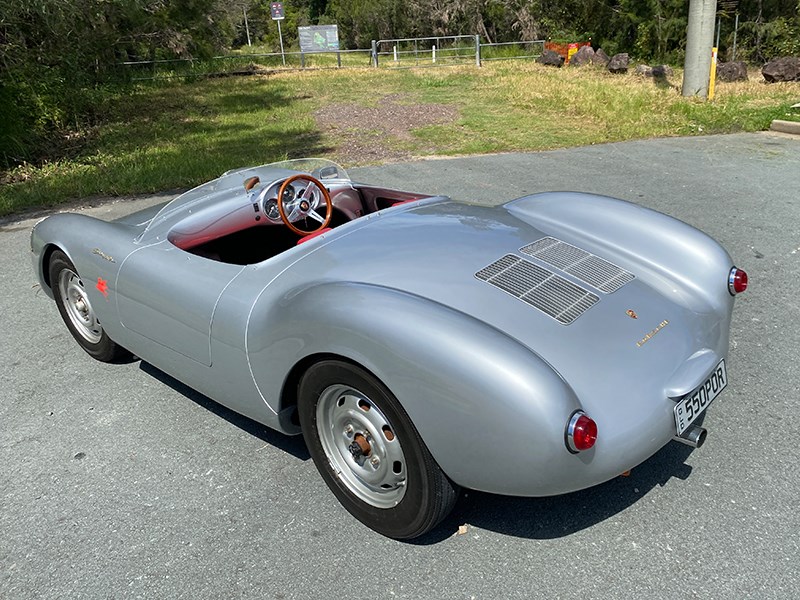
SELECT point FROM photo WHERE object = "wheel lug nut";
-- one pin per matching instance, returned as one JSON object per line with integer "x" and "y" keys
{"x": 349, "y": 430}
{"x": 375, "y": 461}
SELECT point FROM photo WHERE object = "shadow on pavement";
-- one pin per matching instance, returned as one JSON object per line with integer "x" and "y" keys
{"x": 293, "y": 445}
{"x": 532, "y": 518}
{"x": 560, "y": 516}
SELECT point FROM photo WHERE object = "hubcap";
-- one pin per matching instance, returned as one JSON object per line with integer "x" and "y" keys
{"x": 361, "y": 446}
{"x": 77, "y": 305}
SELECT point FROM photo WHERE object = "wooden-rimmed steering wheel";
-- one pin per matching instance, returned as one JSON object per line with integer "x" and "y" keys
{"x": 305, "y": 204}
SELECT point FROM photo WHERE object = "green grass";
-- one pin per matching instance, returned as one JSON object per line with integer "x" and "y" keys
{"x": 177, "y": 134}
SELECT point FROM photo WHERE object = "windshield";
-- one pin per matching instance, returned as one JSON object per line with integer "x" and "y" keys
{"x": 232, "y": 182}
{"x": 320, "y": 168}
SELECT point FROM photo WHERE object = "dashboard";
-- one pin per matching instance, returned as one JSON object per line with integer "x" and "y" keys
{"x": 268, "y": 198}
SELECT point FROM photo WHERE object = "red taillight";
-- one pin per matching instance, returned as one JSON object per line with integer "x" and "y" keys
{"x": 581, "y": 432}
{"x": 737, "y": 281}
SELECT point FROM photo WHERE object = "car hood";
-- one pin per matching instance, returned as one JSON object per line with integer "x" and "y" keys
{"x": 448, "y": 253}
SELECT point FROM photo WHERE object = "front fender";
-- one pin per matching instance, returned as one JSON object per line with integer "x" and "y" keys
{"x": 490, "y": 410}
{"x": 96, "y": 248}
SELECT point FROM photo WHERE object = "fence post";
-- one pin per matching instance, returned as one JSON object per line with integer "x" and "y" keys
{"x": 477, "y": 50}
{"x": 374, "y": 53}
{"x": 433, "y": 53}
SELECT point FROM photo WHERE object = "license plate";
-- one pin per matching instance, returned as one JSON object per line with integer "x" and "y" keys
{"x": 692, "y": 405}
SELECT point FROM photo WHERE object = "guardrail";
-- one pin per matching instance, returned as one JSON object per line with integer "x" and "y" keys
{"x": 391, "y": 53}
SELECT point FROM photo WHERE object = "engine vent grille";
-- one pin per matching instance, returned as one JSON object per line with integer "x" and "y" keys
{"x": 605, "y": 276}
{"x": 542, "y": 289}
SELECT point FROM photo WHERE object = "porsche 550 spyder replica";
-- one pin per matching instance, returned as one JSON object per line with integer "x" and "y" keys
{"x": 419, "y": 345}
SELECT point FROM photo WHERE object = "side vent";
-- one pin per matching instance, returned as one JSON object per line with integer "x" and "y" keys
{"x": 550, "y": 293}
{"x": 593, "y": 270}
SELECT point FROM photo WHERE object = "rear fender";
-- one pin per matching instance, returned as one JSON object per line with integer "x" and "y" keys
{"x": 484, "y": 404}
{"x": 682, "y": 262}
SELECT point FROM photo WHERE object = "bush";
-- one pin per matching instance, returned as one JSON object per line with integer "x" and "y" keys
{"x": 17, "y": 120}
{"x": 761, "y": 42}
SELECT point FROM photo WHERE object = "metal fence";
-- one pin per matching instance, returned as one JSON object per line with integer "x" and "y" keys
{"x": 243, "y": 64}
{"x": 511, "y": 50}
{"x": 396, "y": 53}
{"x": 425, "y": 51}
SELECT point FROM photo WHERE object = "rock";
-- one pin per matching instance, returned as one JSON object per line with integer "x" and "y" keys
{"x": 600, "y": 58}
{"x": 582, "y": 57}
{"x": 662, "y": 71}
{"x": 551, "y": 59}
{"x": 732, "y": 71}
{"x": 657, "y": 72}
{"x": 786, "y": 68}
{"x": 619, "y": 63}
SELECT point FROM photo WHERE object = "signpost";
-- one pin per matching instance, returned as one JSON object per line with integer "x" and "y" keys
{"x": 319, "y": 38}
{"x": 276, "y": 9}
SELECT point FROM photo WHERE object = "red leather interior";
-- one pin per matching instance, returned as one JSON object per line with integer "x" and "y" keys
{"x": 311, "y": 236}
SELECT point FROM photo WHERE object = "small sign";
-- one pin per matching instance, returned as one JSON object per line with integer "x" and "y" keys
{"x": 276, "y": 8}
{"x": 319, "y": 38}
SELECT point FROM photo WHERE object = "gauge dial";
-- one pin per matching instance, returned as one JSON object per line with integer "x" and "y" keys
{"x": 271, "y": 209}
{"x": 289, "y": 194}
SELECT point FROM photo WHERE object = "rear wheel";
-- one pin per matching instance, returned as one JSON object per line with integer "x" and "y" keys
{"x": 369, "y": 453}
{"x": 76, "y": 310}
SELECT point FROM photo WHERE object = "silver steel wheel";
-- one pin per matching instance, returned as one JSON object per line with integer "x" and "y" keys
{"x": 77, "y": 306}
{"x": 361, "y": 446}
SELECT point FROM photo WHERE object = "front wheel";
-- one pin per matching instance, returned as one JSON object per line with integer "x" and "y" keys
{"x": 76, "y": 310}
{"x": 369, "y": 453}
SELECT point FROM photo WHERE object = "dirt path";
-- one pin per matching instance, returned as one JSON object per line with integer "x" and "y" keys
{"x": 381, "y": 133}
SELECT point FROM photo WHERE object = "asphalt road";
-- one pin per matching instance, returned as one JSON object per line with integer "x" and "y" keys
{"x": 118, "y": 482}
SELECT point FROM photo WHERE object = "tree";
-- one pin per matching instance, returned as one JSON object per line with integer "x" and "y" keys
{"x": 54, "y": 53}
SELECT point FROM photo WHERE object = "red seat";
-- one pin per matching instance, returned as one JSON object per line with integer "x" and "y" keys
{"x": 311, "y": 236}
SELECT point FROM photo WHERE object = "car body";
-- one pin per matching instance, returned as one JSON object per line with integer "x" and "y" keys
{"x": 485, "y": 346}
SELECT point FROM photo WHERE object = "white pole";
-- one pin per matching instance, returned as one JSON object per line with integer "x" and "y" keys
{"x": 246, "y": 26}
{"x": 280, "y": 36}
{"x": 394, "y": 50}
{"x": 433, "y": 54}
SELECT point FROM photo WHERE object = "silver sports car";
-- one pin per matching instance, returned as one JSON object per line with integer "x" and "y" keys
{"x": 418, "y": 344}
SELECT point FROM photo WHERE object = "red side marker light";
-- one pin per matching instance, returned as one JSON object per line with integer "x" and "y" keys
{"x": 737, "y": 281}
{"x": 102, "y": 286}
{"x": 581, "y": 432}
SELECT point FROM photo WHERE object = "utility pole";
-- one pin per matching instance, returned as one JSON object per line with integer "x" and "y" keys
{"x": 246, "y": 26}
{"x": 699, "y": 40}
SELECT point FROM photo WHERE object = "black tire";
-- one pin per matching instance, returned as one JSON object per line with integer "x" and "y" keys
{"x": 419, "y": 494}
{"x": 81, "y": 322}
